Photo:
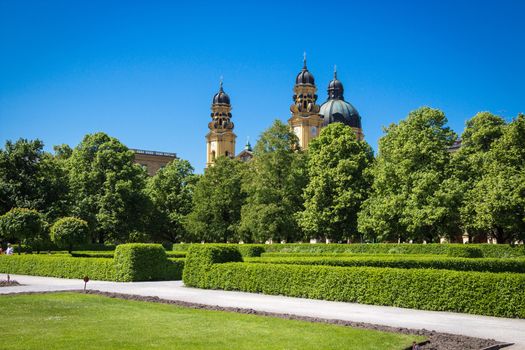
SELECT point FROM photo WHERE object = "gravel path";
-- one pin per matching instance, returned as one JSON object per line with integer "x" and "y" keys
{"x": 459, "y": 327}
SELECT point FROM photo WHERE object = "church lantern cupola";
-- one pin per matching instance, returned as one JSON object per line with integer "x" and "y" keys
{"x": 305, "y": 120}
{"x": 220, "y": 140}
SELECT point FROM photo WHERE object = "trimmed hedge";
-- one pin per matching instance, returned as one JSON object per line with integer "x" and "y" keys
{"x": 202, "y": 257}
{"x": 248, "y": 250}
{"x": 405, "y": 262}
{"x": 58, "y": 266}
{"x": 132, "y": 262}
{"x": 141, "y": 262}
{"x": 489, "y": 250}
{"x": 464, "y": 252}
{"x": 482, "y": 293}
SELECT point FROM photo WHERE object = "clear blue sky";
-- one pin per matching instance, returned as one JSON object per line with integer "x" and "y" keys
{"x": 145, "y": 71}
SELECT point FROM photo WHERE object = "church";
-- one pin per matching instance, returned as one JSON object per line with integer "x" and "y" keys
{"x": 307, "y": 117}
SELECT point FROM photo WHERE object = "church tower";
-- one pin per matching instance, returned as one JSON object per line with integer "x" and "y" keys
{"x": 220, "y": 140}
{"x": 306, "y": 120}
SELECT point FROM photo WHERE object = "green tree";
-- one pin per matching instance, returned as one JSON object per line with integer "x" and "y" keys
{"x": 107, "y": 188}
{"x": 170, "y": 191}
{"x": 217, "y": 203}
{"x": 274, "y": 184}
{"x": 407, "y": 200}
{"x": 21, "y": 225}
{"x": 338, "y": 183}
{"x": 69, "y": 231}
{"x": 468, "y": 163}
{"x": 497, "y": 201}
{"x": 32, "y": 178}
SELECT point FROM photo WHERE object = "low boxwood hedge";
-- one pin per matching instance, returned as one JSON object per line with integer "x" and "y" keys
{"x": 141, "y": 262}
{"x": 488, "y": 250}
{"x": 248, "y": 250}
{"x": 482, "y": 293}
{"x": 404, "y": 262}
{"x": 58, "y": 266}
{"x": 132, "y": 262}
{"x": 202, "y": 257}
{"x": 464, "y": 251}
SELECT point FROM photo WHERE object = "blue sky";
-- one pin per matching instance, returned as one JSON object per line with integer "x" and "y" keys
{"x": 145, "y": 71}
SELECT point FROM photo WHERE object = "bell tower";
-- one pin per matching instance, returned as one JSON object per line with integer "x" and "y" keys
{"x": 305, "y": 121}
{"x": 220, "y": 140}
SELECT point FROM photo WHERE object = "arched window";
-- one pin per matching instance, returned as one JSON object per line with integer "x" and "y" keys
{"x": 212, "y": 155}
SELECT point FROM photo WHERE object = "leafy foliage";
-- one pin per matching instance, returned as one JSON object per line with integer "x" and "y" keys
{"x": 338, "y": 183}
{"x": 32, "y": 178}
{"x": 21, "y": 225}
{"x": 107, "y": 188}
{"x": 496, "y": 202}
{"x": 141, "y": 262}
{"x": 217, "y": 203}
{"x": 273, "y": 184}
{"x": 170, "y": 191}
{"x": 68, "y": 231}
{"x": 407, "y": 200}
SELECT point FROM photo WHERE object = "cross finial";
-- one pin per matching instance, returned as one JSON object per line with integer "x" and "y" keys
{"x": 220, "y": 84}
{"x": 335, "y": 71}
{"x": 304, "y": 59}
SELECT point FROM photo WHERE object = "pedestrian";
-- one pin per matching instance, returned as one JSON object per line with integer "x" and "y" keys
{"x": 415, "y": 346}
{"x": 9, "y": 250}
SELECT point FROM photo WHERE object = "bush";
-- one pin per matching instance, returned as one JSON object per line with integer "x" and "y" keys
{"x": 489, "y": 250}
{"x": 201, "y": 258}
{"x": 58, "y": 266}
{"x": 404, "y": 262}
{"x": 68, "y": 231}
{"x": 140, "y": 262}
{"x": 22, "y": 224}
{"x": 482, "y": 293}
{"x": 251, "y": 250}
{"x": 464, "y": 251}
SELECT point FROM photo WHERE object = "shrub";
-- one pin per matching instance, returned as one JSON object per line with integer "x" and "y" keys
{"x": 140, "y": 262}
{"x": 68, "y": 231}
{"x": 251, "y": 250}
{"x": 58, "y": 266}
{"x": 489, "y": 250}
{"x": 404, "y": 262}
{"x": 464, "y": 251}
{"x": 21, "y": 224}
{"x": 484, "y": 293}
{"x": 201, "y": 258}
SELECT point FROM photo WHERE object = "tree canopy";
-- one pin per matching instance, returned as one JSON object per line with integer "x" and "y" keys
{"x": 407, "y": 201}
{"x": 170, "y": 191}
{"x": 217, "y": 203}
{"x": 107, "y": 188}
{"x": 338, "y": 185}
{"x": 274, "y": 184}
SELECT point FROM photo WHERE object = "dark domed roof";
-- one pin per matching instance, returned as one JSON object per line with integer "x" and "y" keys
{"x": 304, "y": 76}
{"x": 334, "y": 111}
{"x": 221, "y": 97}
{"x": 335, "y": 89}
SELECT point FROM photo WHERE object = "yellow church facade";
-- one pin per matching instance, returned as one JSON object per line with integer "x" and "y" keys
{"x": 306, "y": 121}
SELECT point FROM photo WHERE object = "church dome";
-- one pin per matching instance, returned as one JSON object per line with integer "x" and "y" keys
{"x": 335, "y": 89}
{"x": 304, "y": 76}
{"x": 221, "y": 97}
{"x": 335, "y": 110}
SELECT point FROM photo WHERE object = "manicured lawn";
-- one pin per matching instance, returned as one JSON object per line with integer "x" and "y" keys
{"x": 83, "y": 321}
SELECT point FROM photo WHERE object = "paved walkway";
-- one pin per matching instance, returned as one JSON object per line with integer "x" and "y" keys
{"x": 501, "y": 329}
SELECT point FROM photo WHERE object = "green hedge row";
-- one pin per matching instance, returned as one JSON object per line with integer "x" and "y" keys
{"x": 482, "y": 293}
{"x": 405, "y": 262}
{"x": 58, "y": 266}
{"x": 132, "y": 262}
{"x": 247, "y": 250}
{"x": 488, "y": 250}
{"x": 110, "y": 254}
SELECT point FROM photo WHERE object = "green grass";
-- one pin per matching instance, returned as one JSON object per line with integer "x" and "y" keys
{"x": 83, "y": 321}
